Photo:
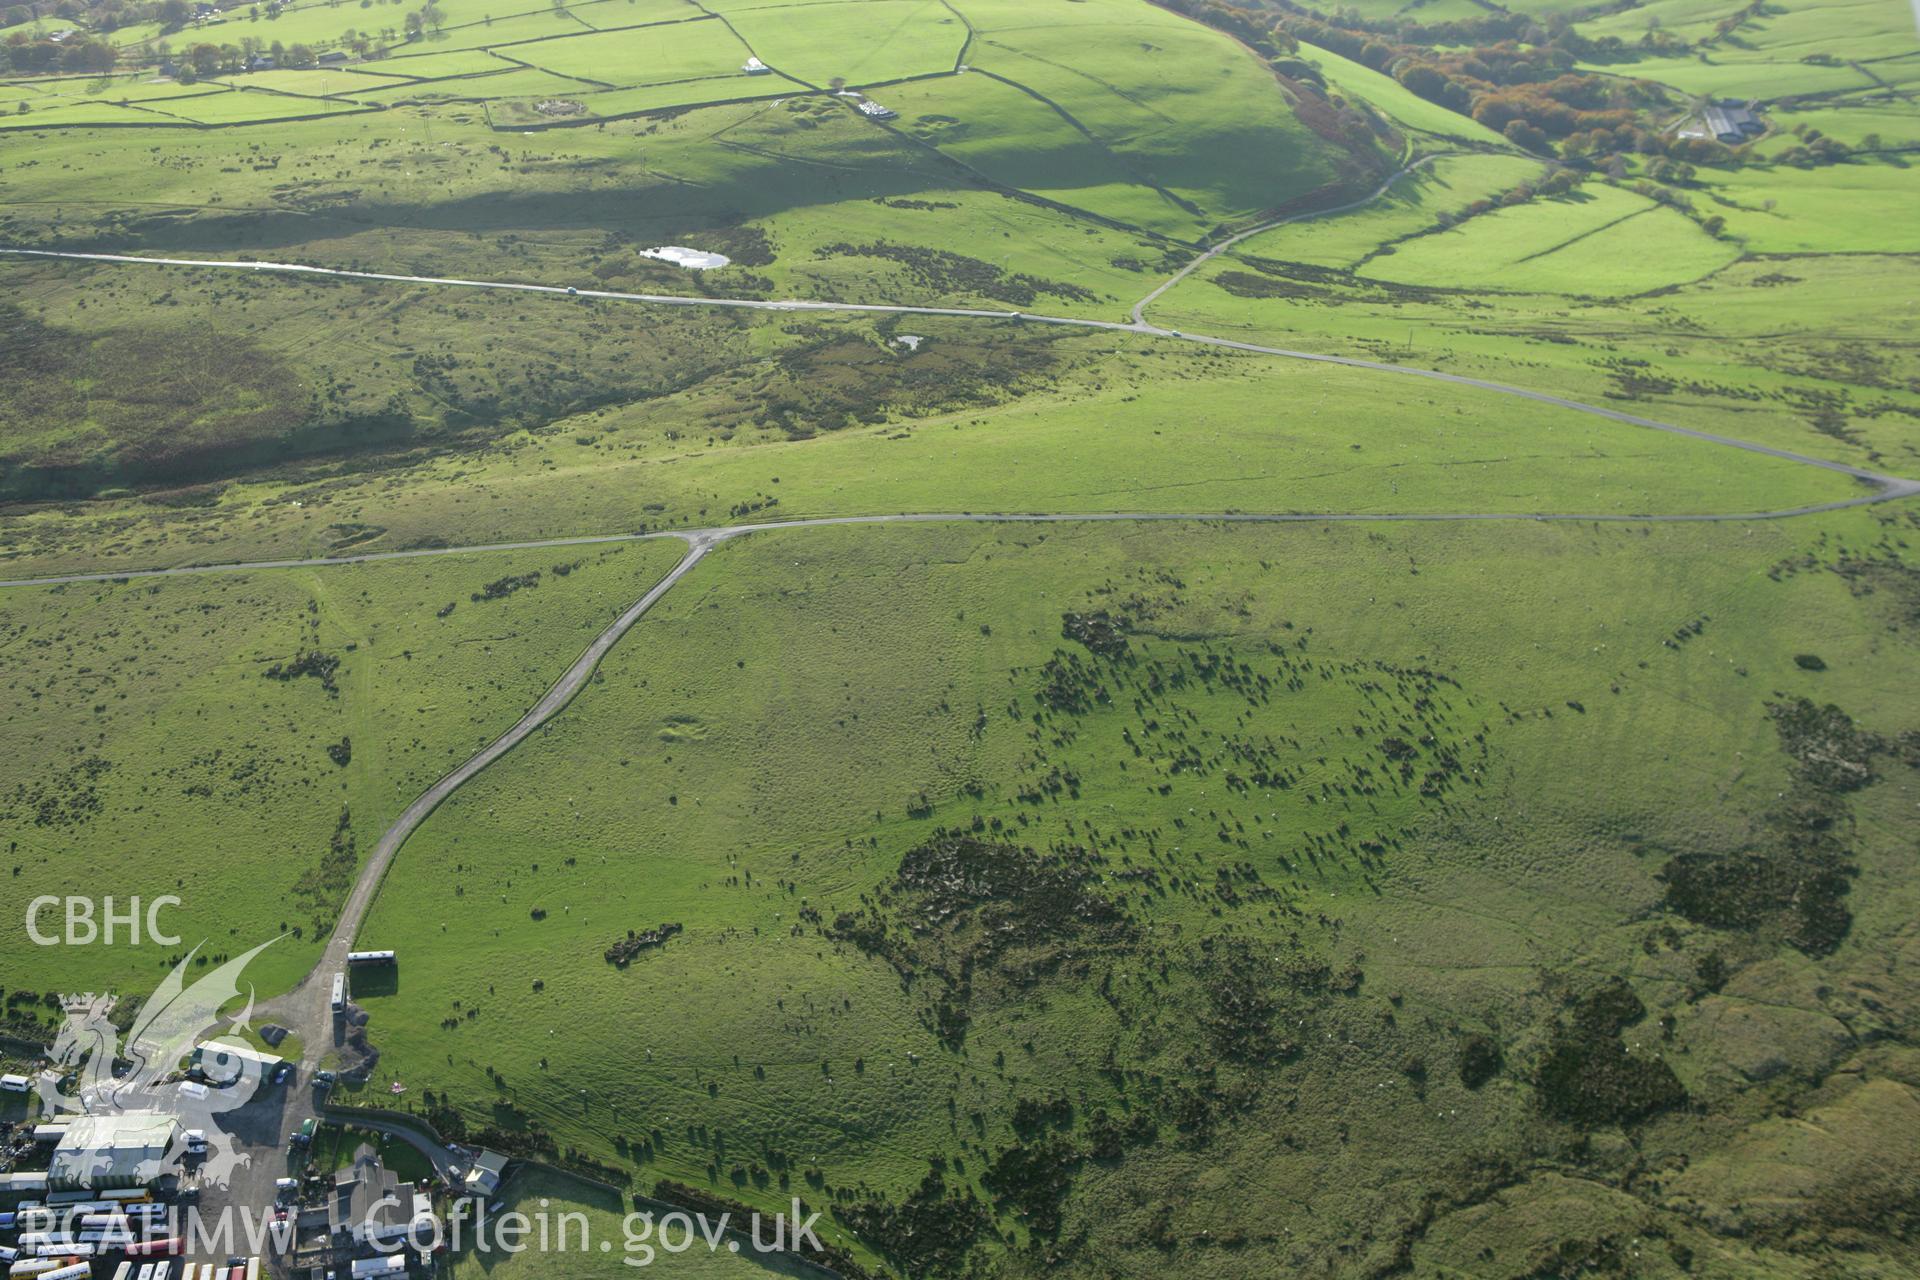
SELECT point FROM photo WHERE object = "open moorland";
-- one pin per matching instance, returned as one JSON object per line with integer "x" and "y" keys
{"x": 1126, "y": 772}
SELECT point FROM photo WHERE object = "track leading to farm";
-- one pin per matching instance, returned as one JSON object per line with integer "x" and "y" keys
{"x": 311, "y": 1001}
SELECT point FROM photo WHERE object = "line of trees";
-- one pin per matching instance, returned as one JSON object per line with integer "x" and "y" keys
{"x": 206, "y": 59}
{"x": 29, "y": 53}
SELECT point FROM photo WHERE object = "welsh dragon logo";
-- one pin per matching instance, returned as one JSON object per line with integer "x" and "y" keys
{"x": 174, "y": 1021}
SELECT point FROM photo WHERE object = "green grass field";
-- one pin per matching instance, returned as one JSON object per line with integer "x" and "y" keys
{"x": 148, "y": 735}
{"x": 1412, "y": 206}
{"x": 649, "y": 55}
{"x": 1806, "y": 47}
{"x": 857, "y": 41}
{"x": 1417, "y": 887}
{"x": 764, "y": 799}
{"x": 1599, "y": 241}
{"x": 1845, "y": 208}
{"x": 1212, "y": 132}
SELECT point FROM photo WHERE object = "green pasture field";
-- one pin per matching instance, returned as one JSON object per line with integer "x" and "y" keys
{"x": 1848, "y": 30}
{"x": 1767, "y": 350}
{"x": 316, "y": 25}
{"x": 1597, "y": 240}
{"x": 858, "y": 41}
{"x": 1200, "y": 121}
{"x": 509, "y": 83}
{"x": 540, "y": 25}
{"x": 647, "y": 55}
{"x": 156, "y": 743}
{"x": 65, "y": 114}
{"x": 747, "y": 771}
{"x": 1856, "y": 207}
{"x": 1711, "y": 75}
{"x": 140, "y": 87}
{"x": 314, "y": 84}
{"x": 1010, "y": 138}
{"x": 827, "y": 180}
{"x": 607, "y": 15}
{"x": 1083, "y": 898}
{"x": 323, "y": 26}
{"x": 508, "y": 78}
{"x": 1896, "y": 123}
{"x": 1444, "y": 186}
{"x": 239, "y": 101}
{"x": 731, "y": 7}
{"x": 1902, "y": 70}
{"x": 1692, "y": 20}
{"x": 1430, "y": 11}
{"x": 611, "y": 104}
{"x": 434, "y": 66}
{"x": 253, "y": 106}
{"x": 1772, "y": 45}
{"x": 814, "y": 171}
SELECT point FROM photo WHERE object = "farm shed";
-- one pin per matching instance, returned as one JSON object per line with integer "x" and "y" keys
{"x": 99, "y": 1152}
{"x": 1728, "y": 122}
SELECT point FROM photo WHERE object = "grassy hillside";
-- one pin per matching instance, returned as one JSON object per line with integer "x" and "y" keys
{"x": 1301, "y": 809}
{"x": 437, "y": 430}
{"x": 1197, "y": 130}
{"x": 1490, "y": 897}
{"x": 241, "y": 741}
